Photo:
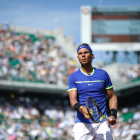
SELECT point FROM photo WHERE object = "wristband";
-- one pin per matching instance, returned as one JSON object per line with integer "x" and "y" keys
{"x": 77, "y": 106}
{"x": 113, "y": 112}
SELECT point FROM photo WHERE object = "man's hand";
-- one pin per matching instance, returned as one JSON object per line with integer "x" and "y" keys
{"x": 85, "y": 112}
{"x": 113, "y": 121}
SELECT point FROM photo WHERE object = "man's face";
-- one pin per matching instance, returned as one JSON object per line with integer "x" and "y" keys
{"x": 84, "y": 56}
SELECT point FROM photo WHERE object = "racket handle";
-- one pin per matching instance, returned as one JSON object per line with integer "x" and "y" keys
{"x": 109, "y": 119}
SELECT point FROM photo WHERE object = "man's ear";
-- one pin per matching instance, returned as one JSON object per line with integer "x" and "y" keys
{"x": 77, "y": 57}
{"x": 92, "y": 56}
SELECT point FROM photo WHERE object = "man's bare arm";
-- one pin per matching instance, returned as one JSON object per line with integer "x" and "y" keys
{"x": 113, "y": 103}
{"x": 73, "y": 97}
{"x": 73, "y": 101}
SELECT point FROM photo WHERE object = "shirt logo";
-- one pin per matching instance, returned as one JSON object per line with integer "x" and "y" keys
{"x": 90, "y": 84}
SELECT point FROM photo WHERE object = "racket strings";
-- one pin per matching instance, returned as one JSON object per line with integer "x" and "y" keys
{"x": 95, "y": 113}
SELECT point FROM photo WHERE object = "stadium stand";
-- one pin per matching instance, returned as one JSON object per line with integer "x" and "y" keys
{"x": 38, "y": 58}
{"x": 29, "y": 118}
{"x": 34, "y": 58}
{"x": 128, "y": 124}
{"x": 123, "y": 73}
{"x": 26, "y": 122}
{"x": 25, "y": 118}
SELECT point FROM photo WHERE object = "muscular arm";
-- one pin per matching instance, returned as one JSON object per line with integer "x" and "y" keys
{"x": 73, "y": 97}
{"x": 113, "y": 103}
{"x": 73, "y": 101}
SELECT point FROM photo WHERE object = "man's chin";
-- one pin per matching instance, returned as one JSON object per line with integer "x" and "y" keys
{"x": 84, "y": 64}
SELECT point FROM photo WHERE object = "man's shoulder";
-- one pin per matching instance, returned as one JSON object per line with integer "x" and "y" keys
{"x": 99, "y": 70}
{"x": 75, "y": 73}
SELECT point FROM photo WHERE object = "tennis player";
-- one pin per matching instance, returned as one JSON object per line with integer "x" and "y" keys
{"x": 95, "y": 83}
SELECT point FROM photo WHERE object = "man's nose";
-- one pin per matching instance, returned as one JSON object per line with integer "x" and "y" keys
{"x": 83, "y": 54}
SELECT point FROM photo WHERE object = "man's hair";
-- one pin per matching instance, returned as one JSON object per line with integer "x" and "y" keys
{"x": 85, "y": 44}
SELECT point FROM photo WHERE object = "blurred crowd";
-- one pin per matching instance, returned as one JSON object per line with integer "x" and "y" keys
{"x": 128, "y": 124}
{"x": 33, "y": 57}
{"x": 38, "y": 58}
{"x": 23, "y": 121}
{"x": 28, "y": 122}
{"x": 131, "y": 74}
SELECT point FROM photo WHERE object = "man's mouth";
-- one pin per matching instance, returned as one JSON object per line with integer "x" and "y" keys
{"x": 83, "y": 59}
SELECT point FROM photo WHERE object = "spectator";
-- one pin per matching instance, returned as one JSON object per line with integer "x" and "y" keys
{"x": 32, "y": 58}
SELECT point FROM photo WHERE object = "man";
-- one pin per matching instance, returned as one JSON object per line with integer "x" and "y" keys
{"x": 100, "y": 85}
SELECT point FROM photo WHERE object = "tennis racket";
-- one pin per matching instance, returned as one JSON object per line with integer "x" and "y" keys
{"x": 94, "y": 111}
